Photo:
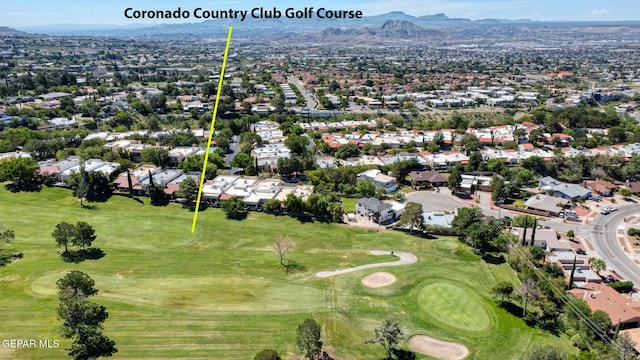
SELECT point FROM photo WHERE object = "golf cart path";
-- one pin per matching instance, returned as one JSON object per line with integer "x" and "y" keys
{"x": 405, "y": 259}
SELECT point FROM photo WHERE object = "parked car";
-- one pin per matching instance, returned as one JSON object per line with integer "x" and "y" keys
{"x": 610, "y": 278}
{"x": 605, "y": 211}
{"x": 581, "y": 251}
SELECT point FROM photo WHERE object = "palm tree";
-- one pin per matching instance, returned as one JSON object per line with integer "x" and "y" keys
{"x": 598, "y": 265}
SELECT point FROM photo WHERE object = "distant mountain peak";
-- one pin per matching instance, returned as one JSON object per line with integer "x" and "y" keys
{"x": 8, "y": 30}
{"x": 396, "y": 13}
{"x": 398, "y": 25}
{"x": 438, "y": 16}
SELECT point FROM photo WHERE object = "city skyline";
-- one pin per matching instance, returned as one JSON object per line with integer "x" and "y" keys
{"x": 40, "y": 12}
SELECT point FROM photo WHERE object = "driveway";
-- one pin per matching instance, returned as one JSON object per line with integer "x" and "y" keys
{"x": 437, "y": 201}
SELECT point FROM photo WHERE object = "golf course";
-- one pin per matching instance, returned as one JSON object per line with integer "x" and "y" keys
{"x": 220, "y": 292}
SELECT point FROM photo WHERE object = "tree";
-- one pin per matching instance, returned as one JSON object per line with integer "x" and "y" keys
{"x": 79, "y": 185}
{"x": 529, "y": 292}
{"x": 497, "y": 186}
{"x": 571, "y": 234}
{"x": 82, "y": 319}
{"x": 533, "y": 231}
{"x": 503, "y": 241}
{"x": 412, "y": 216}
{"x": 158, "y": 102}
{"x": 388, "y": 336}
{"x": 308, "y": 339}
{"x": 318, "y": 205}
{"x": 76, "y": 285}
{"x": 267, "y": 354}
{"x": 502, "y": 289}
{"x": 454, "y": 180}
{"x": 598, "y": 265}
{"x": 617, "y": 134}
{"x": 83, "y": 234}
{"x": 91, "y": 185}
{"x": 573, "y": 271}
{"x": 626, "y": 345}
{"x": 241, "y": 160}
{"x": 7, "y": 236}
{"x": 91, "y": 344}
{"x": 336, "y": 211}
{"x": 22, "y": 172}
{"x": 188, "y": 189}
{"x": 233, "y": 208}
{"x": 348, "y": 151}
{"x": 79, "y": 315}
{"x": 297, "y": 144}
{"x": 223, "y": 143}
{"x": 465, "y": 217}
{"x": 129, "y": 183}
{"x": 546, "y": 352}
{"x": 365, "y": 188}
{"x": 63, "y": 233}
{"x": 601, "y": 319}
{"x": 272, "y": 206}
{"x": 524, "y": 231}
{"x": 537, "y": 253}
{"x": 282, "y": 246}
{"x": 480, "y": 235}
{"x": 294, "y": 204}
{"x": 155, "y": 155}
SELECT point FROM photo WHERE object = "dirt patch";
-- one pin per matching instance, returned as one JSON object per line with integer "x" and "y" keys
{"x": 378, "y": 279}
{"x": 440, "y": 349}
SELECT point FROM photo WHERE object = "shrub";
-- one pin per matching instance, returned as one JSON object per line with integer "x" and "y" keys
{"x": 633, "y": 232}
{"x": 622, "y": 286}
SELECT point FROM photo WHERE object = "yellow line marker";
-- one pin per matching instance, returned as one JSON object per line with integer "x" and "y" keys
{"x": 211, "y": 130}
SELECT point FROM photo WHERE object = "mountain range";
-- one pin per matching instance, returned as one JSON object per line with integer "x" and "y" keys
{"x": 396, "y": 24}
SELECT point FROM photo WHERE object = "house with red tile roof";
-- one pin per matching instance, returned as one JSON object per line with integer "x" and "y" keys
{"x": 620, "y": 308}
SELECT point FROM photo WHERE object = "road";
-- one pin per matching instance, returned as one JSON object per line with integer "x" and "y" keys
{"x": 308, "y": 96}
{"x": 233, "y": 150}
{"x": 605, "y": 242}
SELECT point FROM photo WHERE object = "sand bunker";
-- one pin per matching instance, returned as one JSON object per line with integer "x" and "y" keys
{"x": 441, "y": 349}
{"x": 378, "y": 279}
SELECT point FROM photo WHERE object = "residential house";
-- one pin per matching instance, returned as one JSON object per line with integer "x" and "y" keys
{"x": 180, "y": 153}
{"x": 475, "y": 181}
{"x": 621, "y": 310}
{"x": 213, "y": 189}
{"x": 438, "y": 219}
{"x": 552, "y": 205}
{"x": 427, "y": 179}
{"x": 565, "y": 190}
{"x": 262, "y": 191}
{"x": 138, "y": 175}
{"x": 375, "y": 210}
{"x": 600, "y": 187}
{"x": 543, "y": 238}
{"x": 571, "y": 192}
{"x": 379, "y": 179}
{"x": 634, "y": 186}
{"x": 582, "y": 274}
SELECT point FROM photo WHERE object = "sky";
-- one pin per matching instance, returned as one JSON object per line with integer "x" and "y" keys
{"x": 18, "y": 13}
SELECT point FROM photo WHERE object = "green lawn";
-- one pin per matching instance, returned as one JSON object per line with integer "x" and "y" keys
{"x": 349, "y": 204}
{"x": 175, "y": 294}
